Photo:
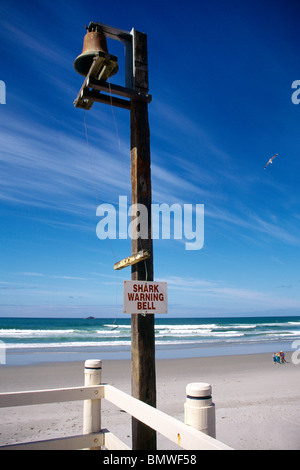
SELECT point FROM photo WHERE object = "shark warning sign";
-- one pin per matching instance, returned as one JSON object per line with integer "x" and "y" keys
{"x": 145, "y": 297}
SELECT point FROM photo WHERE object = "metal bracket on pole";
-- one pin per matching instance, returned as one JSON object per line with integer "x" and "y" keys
{"x": 126, "y": 38}
{"x": 93, "y": 86}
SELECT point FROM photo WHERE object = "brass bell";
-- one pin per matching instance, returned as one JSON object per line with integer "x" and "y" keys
{"x": 94, "y": 45}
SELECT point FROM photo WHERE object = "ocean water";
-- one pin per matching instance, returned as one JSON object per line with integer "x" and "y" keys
{"x": 33, "y": 340}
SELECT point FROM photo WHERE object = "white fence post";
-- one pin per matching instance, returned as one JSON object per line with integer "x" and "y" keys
{"x": 92, "y": 408}
{"x": 199, "y": 410}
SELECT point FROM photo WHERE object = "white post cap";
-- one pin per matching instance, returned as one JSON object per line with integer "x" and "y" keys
{"x": 198, "y": 390}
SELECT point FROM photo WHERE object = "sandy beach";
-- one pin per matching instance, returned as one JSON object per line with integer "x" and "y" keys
{"x": 257, "y": 402}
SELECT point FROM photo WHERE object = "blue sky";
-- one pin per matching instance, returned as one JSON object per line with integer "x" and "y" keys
{"x": 221, "y": 77}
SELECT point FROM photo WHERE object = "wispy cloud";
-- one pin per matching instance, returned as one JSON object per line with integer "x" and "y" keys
{"x": 45, "y": 168}
{"x": 203, "y": 172}
{"x": 218, "y": 290}
{"x": 36, "y": 44}
{"x": 254, "y": 223}
{"x": 32, "y": 274}
{"x": 180, "y": 123}
{"x": 54, "y": 276}
{"x": 71, "y": 278}
{"x": 273, "y": 230}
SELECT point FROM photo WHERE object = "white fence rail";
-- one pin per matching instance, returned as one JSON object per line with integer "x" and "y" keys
{"x": 93, "y": 436}
{"x": 40, "y": 397}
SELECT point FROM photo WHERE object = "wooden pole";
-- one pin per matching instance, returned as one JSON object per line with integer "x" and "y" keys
{"x": 143, "y": 380}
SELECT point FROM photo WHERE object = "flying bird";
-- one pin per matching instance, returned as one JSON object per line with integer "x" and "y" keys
{"x": 271, "y": 160}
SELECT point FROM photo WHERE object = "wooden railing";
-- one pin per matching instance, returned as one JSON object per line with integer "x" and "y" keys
{"x": 93, "y": 436}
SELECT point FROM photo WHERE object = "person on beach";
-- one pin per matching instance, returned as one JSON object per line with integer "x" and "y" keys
{"x": 274, "y": 358}
{"x": 282, "y": 357}
{"x": 278, "y": 358}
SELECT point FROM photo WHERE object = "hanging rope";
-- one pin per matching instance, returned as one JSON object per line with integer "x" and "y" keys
{"x": 92, "y": 170}
{"x": 93, "y": 178}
